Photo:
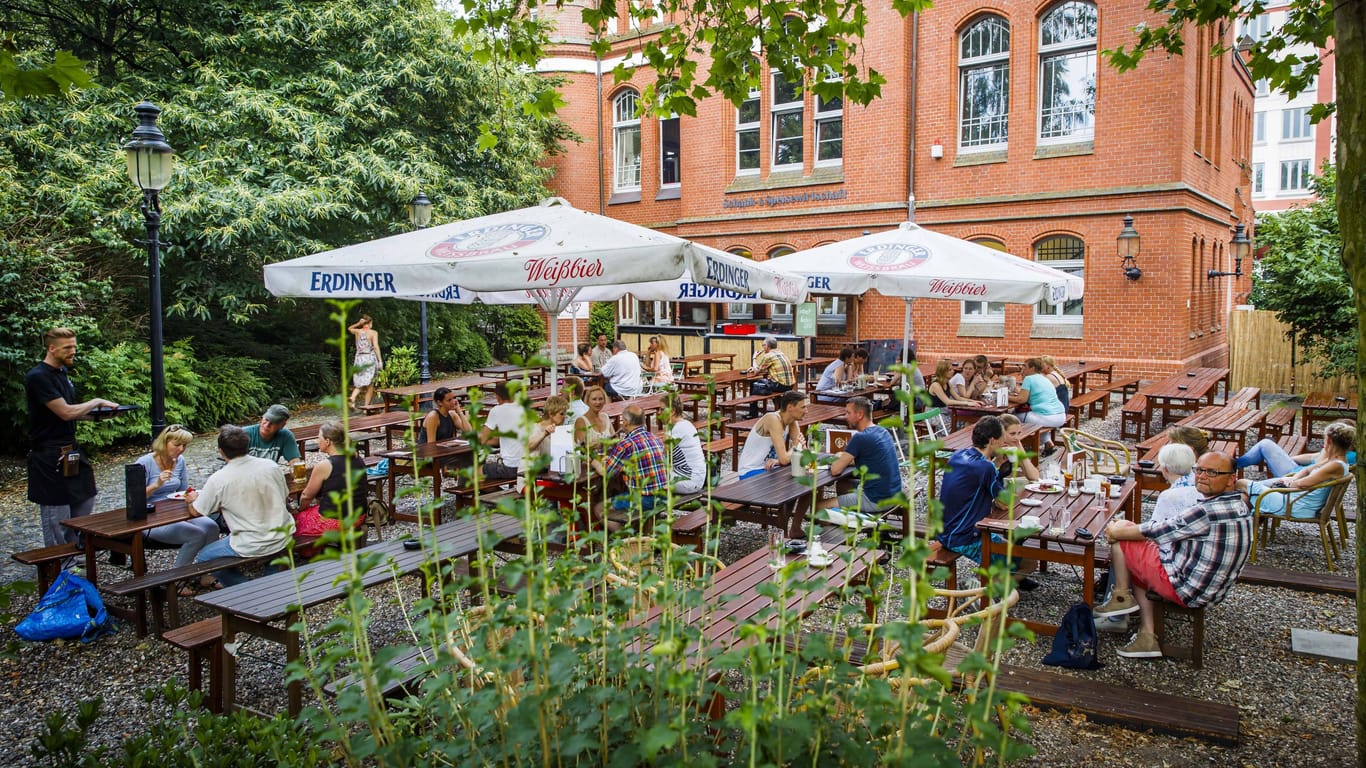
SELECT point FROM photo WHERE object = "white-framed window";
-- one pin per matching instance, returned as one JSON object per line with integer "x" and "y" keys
{"x": 985, "y": 311}
{"x": 747, "y": 131}
{"x": 1067, "y": 73}
{"x": 1263, "y": 88}
{"x": 787, "y": 130}
{"x": 1258, "y": 178}
{"x": 984, "y": 84}
{"x": 1258, "y": 27}
{"x": 830, "y": 122}
{"x": 1295, "y": 125}
{"x": 1294, "y": 175}
{"x": 1259, "y": 128}
{"x": 625, "y": 143}
{"x": 1066, "y": 253}
{"x": 670, "y": 152}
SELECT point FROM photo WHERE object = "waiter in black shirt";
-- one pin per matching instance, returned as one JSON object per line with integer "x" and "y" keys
{"x": 60, "y": 480}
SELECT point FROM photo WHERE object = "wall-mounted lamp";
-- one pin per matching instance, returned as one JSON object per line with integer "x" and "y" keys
{"x": 1127, "y": 245}
{"x": 1240, "y": 246}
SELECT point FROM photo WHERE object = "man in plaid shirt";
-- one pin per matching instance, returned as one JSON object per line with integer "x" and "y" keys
{"x": 638, "y": 459}
{"x": 777, "y": 373}
{"x": 1191, "y": 559}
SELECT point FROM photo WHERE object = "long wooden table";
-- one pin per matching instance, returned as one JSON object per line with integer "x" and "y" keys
{"x": 534, "y": 373}
{"x": 435, "y": 460}
{"x": 814, "y": 414}
{"x": 418, "y": 395}
{"x": 1227, "y": 422}
{"x": 704, "y": 363}
{"x": 1090, "y": 511}
{"x": 1184, "y": 391}
{"x": 388, "y": 422}
{"x": 780, "y": 498}
{"x": 959, "y": 415}
{"x": 256, "y": 607}
{"x": 112, "y": 530}
{"x": 1326, "y": 406}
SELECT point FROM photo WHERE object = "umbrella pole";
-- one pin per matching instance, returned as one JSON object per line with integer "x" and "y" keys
{"x": 906, "y": 356}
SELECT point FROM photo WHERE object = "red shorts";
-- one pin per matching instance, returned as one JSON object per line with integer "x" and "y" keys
{"x": 1146, "y": 571}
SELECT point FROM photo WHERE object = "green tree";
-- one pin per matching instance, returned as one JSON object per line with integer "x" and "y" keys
{"x": 1300, "y": 277}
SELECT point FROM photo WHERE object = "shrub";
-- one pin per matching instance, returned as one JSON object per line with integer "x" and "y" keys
{"x": 602, "y": 320}
{"x": 456, "y": 347}
{"x": 400, "y": 368}
{"x": 123, "y": 373}
{"x": 231, "y": 392}
{"x": 511, "y": 331}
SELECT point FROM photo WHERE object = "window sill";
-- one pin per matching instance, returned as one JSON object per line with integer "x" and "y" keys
{"x": 1044, "y": 330}
{"x": 624, "y": 197}
{"x": 785, "y": 179}
{"x": 979, "y": 158}
{"x": 983, "y": 330}
{"x": 670, "y": 193}
{"x": 1072, "y": 149}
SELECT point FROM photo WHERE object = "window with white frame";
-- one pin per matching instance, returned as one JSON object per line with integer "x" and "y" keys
{"x": 1068, "y": 254}
{"x": 625, "y": 143}
{"x": 787, "y": 130}
{"x": 1295, "y": 124}
{"x": 1067, "y": 73}
{"x": 984, "y": 84}
{"x": 1258, "y": 175}
{"x": 1259, "y": 128}
{"x": 747, "y": 131}
{"x": 670, "y": 152}
{"x": 1294, "y": 175}
{"x": 1258, "y": 27}
{"x": 1263, "y": 88}
{"x": 830, "y": 121}
{"x": 985, "y": 311}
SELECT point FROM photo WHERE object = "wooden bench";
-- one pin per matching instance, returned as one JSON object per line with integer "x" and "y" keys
{"x": 733, "y": 405}
{"x": 1294, "y": 445}
{"x": 1279, "y": 422}
{"x": 373, "y": 408}
{"x": 406, "y": 664}
{"x": 1126, "y": 388}
{"x": 1247, "y": 397}
{"x": 48, "y": 561}
{"x": 1094, "y": 404}
{"x": 204, "y": 642}
{"x": 1134, "y": 416}
{"x": 464, "y": 496}
{"x": 1195, "y": 652}
{"x": 1302, "y": 581}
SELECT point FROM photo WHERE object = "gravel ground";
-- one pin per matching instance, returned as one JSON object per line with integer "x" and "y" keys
{"x": 1294, "y": 711}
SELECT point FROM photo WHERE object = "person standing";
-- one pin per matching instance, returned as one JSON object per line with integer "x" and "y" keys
{"x": 60, "y": 481}
{"x": 601, "y": 353}
{"x": 621, "y": 374}
{"x": 368, "y": 360}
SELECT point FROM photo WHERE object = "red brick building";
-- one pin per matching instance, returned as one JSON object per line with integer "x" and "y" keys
{"x": 1003, "y": 124}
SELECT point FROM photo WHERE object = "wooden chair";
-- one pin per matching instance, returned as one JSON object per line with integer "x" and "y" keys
{"x": 1108, "y": 457}
{"x": 1264, "y": 524}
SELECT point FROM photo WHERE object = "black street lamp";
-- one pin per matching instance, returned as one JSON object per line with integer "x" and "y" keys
{"x": 1127, "y": 245}
{"x": 1241, "y": 247}
{"x": 150, "y": 160}
{"x": 420, "y": 215}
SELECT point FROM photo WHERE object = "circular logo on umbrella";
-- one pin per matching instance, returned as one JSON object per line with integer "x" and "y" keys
{"x": 497, "y": 238}
{"x": 889, "y": 257}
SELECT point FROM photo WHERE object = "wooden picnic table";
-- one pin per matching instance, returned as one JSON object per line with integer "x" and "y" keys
{"x": 1184, "y": 391}
{"x": 268, "y": 607}
{"x": 704, "y": 363}
{"x": 1227, "y": 423}
{"x": 959, "y": 415}
{"x": 814, "y": 414}
{"x": 650, "y": 404}
{"x": 535, "y": 373}
{"x": 962, "y": 438}
{"x": 774, "y": 497}
{"x": 1326, "y": 406}
{"x": 387, "y": 422}
{"x": 1079, "y": 374}
{"x": 112, "y": 530}
{"x": 1090, "y": 511}
{"x": 1151, "y": 480}
{"x": 421, "y": 394}
{"x": 803, "y": 368}
{"x": 435, "y": 460}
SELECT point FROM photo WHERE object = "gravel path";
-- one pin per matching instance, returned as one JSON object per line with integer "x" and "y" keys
{"x": 1294, "y": 711}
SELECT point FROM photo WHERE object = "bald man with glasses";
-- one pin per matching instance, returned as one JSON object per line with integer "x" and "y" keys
{"x": 1191, "y": 558}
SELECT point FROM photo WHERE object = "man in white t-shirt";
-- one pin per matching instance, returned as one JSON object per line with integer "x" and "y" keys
{"x": 507, "y": 420}
{"x": 251, "y": 494}
{"x": 621, "y": 374}
{"x": 689, "y": 462}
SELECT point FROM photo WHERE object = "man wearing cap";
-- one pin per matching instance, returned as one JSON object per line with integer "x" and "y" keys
{"x": 270, "y": 440}
{"x": 776, "y": 370}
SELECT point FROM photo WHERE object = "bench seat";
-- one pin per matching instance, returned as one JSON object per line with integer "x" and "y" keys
{"x": 1133, "y": 418}
{"x": 406, "y": 664}
{"x": 204, "y": 642}
{"x": 48, "y": 561}
{"x": 1094, "y": 404}
{"x": 1279, "y": 422}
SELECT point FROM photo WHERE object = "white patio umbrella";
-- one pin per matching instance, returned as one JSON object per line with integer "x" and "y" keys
{"x": 912, "y": 262}
{"x": 544, "y": 254}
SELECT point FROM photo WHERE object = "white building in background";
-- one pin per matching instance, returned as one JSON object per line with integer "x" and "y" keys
{"x": 1286, "y": 148}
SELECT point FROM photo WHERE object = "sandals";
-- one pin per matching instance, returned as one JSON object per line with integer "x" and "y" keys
{"x": 205, "y": 584}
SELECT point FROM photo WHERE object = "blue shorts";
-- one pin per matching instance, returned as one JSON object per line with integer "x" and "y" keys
{"x": 623, "y": 502}
{"x": 974, "y": 551}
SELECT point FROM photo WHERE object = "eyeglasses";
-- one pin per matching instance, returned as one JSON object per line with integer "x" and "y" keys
{"x": 1216, "y": 472}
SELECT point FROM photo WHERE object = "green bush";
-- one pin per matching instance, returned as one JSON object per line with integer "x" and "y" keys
{"x": 123, "y": 374}
{"x": 231, "y": 392}
{"x": 511, "y": 331}
{"x": 454, "y": 346}
{"x": 602, "y": 320}
{"x": 400, "y": 368}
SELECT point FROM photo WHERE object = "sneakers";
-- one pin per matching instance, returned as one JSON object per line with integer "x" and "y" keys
{"x": 1112, "y": 624}
{"x": 1143, "y": 646}
{"x": 1120, "y": 603}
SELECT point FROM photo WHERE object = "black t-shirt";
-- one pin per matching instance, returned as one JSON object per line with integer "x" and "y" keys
{"x": 336, "y": 482}
{"x": 43, "y": 384}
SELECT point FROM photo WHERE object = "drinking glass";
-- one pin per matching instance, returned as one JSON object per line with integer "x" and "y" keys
{"x": 1062, "y": 520}
{"x": 300, "y": 470}
{"x": 775, "y": 549}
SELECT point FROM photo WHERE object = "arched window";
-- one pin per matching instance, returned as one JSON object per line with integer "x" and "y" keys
{"x": 984, "y": 84}
{"x": 625, "y": 143}
{"x": 1066, "y": 253}
{"x": 986, "y": 311}
{"x": 1067, "y": 73}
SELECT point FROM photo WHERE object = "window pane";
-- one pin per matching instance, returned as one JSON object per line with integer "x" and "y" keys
{"x": 627, "y": 157}
{"x": 1068, "y": 254}
{"x": 787, "y": 141}
{"x": 748, "y": 112}
{"x": 624, "y": 108}
{"x": 1259, "y": 127}
{"x": 829, "y": 105}
{"x": 669, "y": 149}
{"x": 1295, "y": 124}
{"x": 986, "y": 105}
{"x": 1069, "y": 95}
{"x": 747, "y": 150}
{"x": 988, "y": 37}
{"x": 830, "y": 139}
{"x": 1072, "y": 22}
{"x": 1257, "y": 173}
{"x": 785, "y": 92}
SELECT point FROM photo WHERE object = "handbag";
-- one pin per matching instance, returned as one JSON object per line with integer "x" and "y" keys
{"x": 71, "y": 608}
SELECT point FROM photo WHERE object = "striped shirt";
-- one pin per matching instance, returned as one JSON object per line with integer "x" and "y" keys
{"x": 1203, "y": 548}
{"x": 774, "y": 365}
{"x": 640, "y": 455}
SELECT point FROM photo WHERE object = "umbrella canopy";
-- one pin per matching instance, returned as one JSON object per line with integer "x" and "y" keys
{"x": 913, "y": 262}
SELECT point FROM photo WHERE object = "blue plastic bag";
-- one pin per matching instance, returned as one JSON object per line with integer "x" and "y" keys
{"x": 70, "y": 609}
{"x": 380, "y": 469}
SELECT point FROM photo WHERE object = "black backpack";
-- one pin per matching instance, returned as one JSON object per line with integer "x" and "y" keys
{"x": 1076, "y": 643}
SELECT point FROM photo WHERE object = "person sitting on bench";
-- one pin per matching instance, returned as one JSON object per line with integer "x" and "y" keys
{"x": 872, "y": 448}
{"x": 1191, "y": 559}
{"x": 774, "y": 437}
{"x": 251, "y": 494}
{"x": 638, "y": 462}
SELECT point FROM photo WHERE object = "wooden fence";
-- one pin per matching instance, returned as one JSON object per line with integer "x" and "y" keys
{"x": 1260, "y": 355}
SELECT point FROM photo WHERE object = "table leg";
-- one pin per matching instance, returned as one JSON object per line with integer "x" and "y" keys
{"x": 1088, "y": 580}
{"x": 92, "y": 574}
{"x": 296, "y": 688}
{"x": 230, "y": 630}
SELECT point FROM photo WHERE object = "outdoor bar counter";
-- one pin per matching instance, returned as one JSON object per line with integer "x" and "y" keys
{"x": 697, "y": 340}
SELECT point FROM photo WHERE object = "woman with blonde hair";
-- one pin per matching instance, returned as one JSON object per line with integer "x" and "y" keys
{"x": 1331, "y": 464}
{"x": 368, "y": 360}
{"x": 659, "y": 363}
{"x": 552, "y": 417}
{"x": 940, "y": 389}
{"x": 318, "y": 509}
{"x": 1059, "y": 382}
{"x": 167, "y": 475}
{"x": 594, "y": 427}
{"x": 1196, "y": 438}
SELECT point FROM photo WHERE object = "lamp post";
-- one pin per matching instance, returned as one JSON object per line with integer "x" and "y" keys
{"x": 1127, "y": 245}
{"x": 150, "y": 161}
{"x": 420, "y": 215}
{"x": 1240, "y": 246}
